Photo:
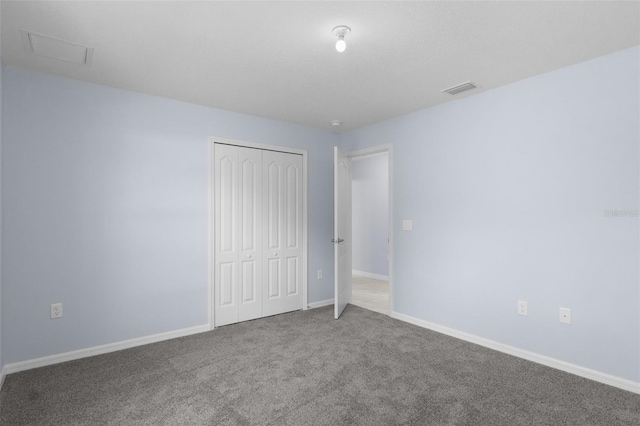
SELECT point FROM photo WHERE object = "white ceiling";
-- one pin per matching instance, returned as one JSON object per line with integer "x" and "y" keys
{"x": 277, "y": 59}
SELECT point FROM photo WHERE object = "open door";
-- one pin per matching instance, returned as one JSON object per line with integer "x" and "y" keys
{"x": 342, "y": 231}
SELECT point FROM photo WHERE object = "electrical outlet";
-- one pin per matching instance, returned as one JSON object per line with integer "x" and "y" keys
{"x": 522, "y": 308}
{"x": 407, "y": 225}
{"x": 319, "y": 274}
{"x": 565, "y": 315}
{"x": 56, "y": 310}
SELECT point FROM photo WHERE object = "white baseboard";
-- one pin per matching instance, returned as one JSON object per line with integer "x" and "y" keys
{"x": 99, "y": 350}
{"x": 320, "y": 304}
{"x": 370, "y": 275}
{"x": 587, "y": 373}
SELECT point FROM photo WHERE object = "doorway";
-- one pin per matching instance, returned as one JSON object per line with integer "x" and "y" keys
{"x": 371, "y": 229}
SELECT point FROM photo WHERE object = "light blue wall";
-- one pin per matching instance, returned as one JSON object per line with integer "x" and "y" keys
{"x": 507, "y": 191}
{"x": 106, "y": 210}
{"x": 370, "y": 214}
{"x": 1, "y": 220}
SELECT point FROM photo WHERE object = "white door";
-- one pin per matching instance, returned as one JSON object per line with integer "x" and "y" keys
{"x": 282, "y": 237}
{"x": 342, "y": 231}
{"x": 226, "y": 232}
{"x": 238, "y": 226}
{"x": 250, "y": 234}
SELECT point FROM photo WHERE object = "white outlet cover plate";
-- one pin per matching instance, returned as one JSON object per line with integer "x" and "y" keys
{"x": 407, "y": 225}
{"x": 56, "y": 310}
{"x": 565, "y": 315}
{"x": 522, "y": 308}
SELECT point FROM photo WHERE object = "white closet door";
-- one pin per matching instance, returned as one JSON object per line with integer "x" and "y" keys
{"x": 292, "y": 229}
{"x": 258, "y": 233}
{"x": 238, "y": 230}
{"x": 226, "y": 235}
{"x": 282, "y": 180}
{"x": 250, "y": 233}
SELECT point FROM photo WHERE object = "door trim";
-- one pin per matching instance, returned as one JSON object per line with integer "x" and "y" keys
{"x": 388, "y": 148}
{"x": 305, "y": 219}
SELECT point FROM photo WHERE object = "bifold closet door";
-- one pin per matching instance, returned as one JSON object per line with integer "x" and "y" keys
{"x": 282, "y": 232}
{"x": 238, "y": 234}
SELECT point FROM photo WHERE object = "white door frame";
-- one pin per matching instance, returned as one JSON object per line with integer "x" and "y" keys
{"x": 388, "y": 148}
{"x": 211, "y": 273}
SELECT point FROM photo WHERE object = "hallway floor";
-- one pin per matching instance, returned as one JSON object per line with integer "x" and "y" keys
{"x": 370, "y": 293}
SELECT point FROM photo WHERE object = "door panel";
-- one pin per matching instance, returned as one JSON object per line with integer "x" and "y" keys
{"x": 227, "y": 181}
{"x": 342, "y": 231}
{"x": 272, "y": 190}
{"x": 250, "y": 197}
{"x": 292, "y": 276}
{"x": 250, "y": 207}
{"x": 226, "y": 231}
{"x": 274, "y": 200}
{"x": 248, "y": 289}
{"x": 283, "y": 193}
{"x": 292, "y": 186}
{"x": 274, "y": 278}
{"x": 227, "y": 276}
{"x": 292, "y": 232}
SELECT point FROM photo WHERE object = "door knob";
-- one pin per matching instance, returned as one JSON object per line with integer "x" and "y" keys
{"x": 249, "y": 256}
{"x": 275, "y": 254}
{"x": 338, "y": 241}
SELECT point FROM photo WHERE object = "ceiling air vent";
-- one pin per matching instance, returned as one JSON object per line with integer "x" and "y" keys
{"x": 467, "y": 85}
{"x": 55, "y": 48}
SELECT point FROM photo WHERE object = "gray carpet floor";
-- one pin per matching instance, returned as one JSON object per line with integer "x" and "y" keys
{"x": 306, "y": 368}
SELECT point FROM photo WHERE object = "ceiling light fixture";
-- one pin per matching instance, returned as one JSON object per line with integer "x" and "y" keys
{"x": 340, "y": 31}
{"x": 336, "y": 123}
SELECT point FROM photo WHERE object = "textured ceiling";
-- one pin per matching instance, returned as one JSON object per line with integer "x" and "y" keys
{"x": 277, "y": 59}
